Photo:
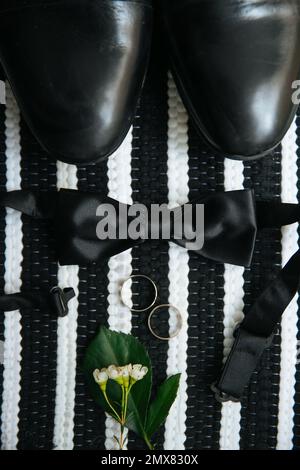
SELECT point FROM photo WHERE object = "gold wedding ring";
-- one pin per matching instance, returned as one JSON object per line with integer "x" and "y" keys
{"x": 178, "y": 317}
{"x": 125, "y": 289}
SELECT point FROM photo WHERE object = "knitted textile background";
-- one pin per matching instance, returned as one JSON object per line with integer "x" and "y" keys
{"x": 44, "y": 402}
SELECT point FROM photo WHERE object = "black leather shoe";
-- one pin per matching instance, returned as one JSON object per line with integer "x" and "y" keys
{"x": 76, "y": 68}
{"x": 234, "y": 62}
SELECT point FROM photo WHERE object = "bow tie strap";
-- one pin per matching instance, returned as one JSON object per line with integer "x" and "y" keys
{"x": 38, "y": 205}
{"x": 56, "y": 301}
{"x": 276, "y": 214}
{"x": 256, "y": 332}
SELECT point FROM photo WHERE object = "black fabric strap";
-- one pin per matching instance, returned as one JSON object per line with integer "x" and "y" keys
{"x": 56, "y": 301}
{"x": 276, "y": 214}
{"x": 37, "y": 205}
{"x": 256, "y": 332}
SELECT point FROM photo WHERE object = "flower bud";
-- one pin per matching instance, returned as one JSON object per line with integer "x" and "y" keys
{"x": 115, "y": 373}
{"x": 126, "y": 375}
{"x": 138, "y": 372}
{"x": 101, "y": 378}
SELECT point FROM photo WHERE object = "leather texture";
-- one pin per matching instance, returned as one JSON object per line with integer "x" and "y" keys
{"x": 76, "y": 68}
{"x": 234, "y": 62}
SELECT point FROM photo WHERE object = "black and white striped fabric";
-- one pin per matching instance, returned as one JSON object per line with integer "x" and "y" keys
{"x": 44, "y": 401}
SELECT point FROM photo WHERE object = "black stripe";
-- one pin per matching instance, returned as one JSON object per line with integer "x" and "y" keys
{"x": 150, "y": 185}
{"x": 39, "y": 328}
{"x": 206, "y": 293}
{"x": 89, "y": 419}
{"x": 2, "y": 235}
{"x": 260, "y": 406}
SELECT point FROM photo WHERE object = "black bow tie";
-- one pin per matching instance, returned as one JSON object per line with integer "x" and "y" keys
{"x": 231, "y": 223}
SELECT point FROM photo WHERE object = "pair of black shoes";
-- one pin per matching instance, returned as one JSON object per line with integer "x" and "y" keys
{"x": 77, "y": 68}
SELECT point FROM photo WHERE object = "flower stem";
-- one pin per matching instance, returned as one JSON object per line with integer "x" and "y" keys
{"x": 126, "y": 401}
{"x": 122, "y": 441}
{"x": 123, "y": 405}
{"x": 111, "y": 407}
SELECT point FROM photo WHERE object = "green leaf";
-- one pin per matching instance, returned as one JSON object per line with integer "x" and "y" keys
{"x": 160, "y": 407}
{"x": 110, "y": 347}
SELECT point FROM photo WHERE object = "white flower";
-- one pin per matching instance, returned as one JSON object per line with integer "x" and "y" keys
{"x": 138, "y": 372}
{"x": 122, "y": 375}
{"x": 101, "y": 378}
{"x": 115, "y": 373}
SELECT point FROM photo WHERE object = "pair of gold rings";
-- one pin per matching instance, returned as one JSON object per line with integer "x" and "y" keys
{"x": 125, "y": 294}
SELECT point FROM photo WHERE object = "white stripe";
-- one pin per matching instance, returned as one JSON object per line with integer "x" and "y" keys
{"x": 288, "y": 361}
{"x": 66, "y": 339}
{"x": 233, "y": 314}
{"x": 119, "y": 316}
{"x": 13, "y": 270}
{"x": 175, "y": 427}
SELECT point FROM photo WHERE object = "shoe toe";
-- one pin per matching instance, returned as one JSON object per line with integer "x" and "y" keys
{"x": 250, "y": 125}
{"x": 77, "y": 70}
{"x": 84, "y": 145}
{"x": 235, "y": 68}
